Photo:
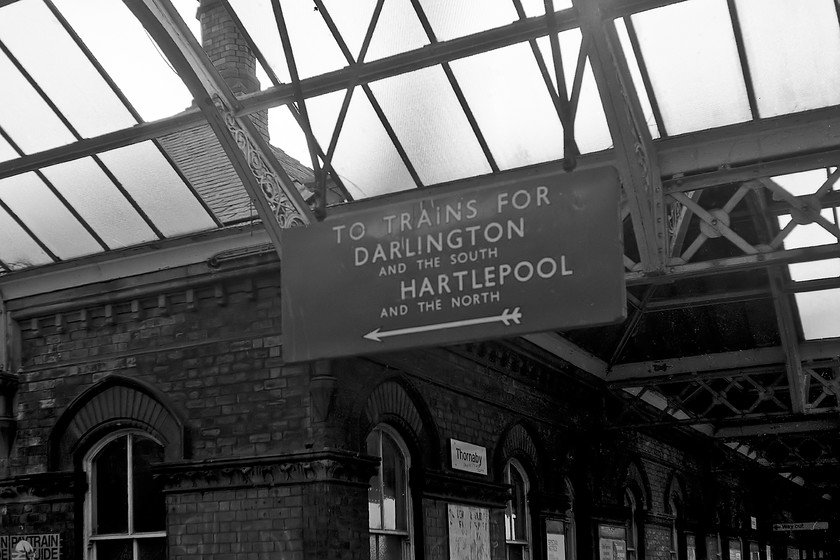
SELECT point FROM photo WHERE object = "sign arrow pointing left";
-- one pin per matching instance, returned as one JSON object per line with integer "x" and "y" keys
{"x": 507, "y": 317}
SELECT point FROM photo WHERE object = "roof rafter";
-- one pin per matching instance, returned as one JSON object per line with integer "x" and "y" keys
{"x": 636, "y": 157}
{"x": 275, "y": 197}
{"x": 797, "y": 425}
{"x": 722, "y": 363}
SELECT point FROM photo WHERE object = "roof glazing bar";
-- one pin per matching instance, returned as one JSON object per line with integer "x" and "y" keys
{"x": 368, "y": 93}
{"x": 643, "y": 70}
{"x": 742, "y": 56}
{"x": 304, "y": 122}
{"x": 277, "y": 200}
{"x": 69, "y": 207}
{"x": 430, "y": 55}
{"x": 110, "y": 141}
{"x": 565, "y": 112}
{"x": 456, "y": 87}
{"x": 272, "y": 75}
{"x": 125, "y": 101}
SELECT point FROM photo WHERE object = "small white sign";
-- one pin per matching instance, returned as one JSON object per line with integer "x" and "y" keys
{"x": 753, "y": 523}
{"x": 468, "y": 457}
{"x": 556, "y": 546}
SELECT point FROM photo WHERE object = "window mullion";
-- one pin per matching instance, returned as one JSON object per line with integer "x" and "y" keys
{"x": 380, "y": 439}
{"x": 130, "y": 483}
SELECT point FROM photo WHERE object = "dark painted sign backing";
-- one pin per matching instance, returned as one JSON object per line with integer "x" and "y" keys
{"x": 455, "y": 265}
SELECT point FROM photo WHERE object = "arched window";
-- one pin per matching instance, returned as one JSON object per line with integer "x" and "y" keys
{"x": 125, "y": 510}
{"x": 633, "y": 541}
{"x": 389, "y": 499}
{"x": 517, "y": 518}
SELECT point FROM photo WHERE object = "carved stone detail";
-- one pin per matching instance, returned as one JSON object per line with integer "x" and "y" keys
{"x": 450, "y": 487}
{"x": 29, "y": 487}
{"x": 282, "y": 207}
{"x": 328, "y": 466}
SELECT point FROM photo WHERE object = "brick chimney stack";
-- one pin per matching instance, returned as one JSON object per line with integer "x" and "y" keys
{"x": 229, "y": 52}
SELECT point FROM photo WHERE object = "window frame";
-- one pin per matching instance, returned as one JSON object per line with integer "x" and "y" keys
{"x": 633, "y": 543}
{"x": 407, "y": 534}
{"x": 526, "y": 544}
{"x": 89, "y": 467}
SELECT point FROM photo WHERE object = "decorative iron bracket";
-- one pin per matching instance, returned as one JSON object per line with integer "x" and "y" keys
{"x": 277, "y": 200}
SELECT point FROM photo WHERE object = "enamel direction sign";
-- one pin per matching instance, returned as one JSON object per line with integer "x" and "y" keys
{"x": 456, "y": 265}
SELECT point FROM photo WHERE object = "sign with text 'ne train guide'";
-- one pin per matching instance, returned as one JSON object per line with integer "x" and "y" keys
{"x": 452, "y": 265}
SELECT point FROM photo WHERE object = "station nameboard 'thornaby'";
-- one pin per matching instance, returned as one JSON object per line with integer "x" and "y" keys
{"x": 454, "y": 265}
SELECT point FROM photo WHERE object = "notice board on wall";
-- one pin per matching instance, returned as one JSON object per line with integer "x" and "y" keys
{"x": 612, "y": 542}
{"x": 26, "y": 547}
{"x": 469, "y": 532}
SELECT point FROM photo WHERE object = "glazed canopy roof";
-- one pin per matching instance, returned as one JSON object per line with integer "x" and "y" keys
{"x": 721, "y": 116}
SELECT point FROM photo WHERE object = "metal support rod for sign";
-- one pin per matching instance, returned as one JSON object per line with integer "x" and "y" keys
{"x": 275, "y": 197}
{"x": 311, "y": 143}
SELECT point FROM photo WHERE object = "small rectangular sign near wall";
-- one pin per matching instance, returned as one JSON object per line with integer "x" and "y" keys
{"x": 468, "y": 457}
{"x": 460, "y": 264}
{"x": 801, "y": 526}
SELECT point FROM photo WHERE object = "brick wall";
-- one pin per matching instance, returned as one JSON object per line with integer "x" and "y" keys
{"x": 266, "y": 470}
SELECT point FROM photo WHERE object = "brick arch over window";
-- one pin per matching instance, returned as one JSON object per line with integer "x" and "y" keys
{"x": 516, "y": 442}
{"x": 115, "y": 402}
{"x": 397, "y": 404}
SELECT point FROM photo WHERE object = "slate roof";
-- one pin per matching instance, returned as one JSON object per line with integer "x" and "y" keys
{"x": 201, "y": 159}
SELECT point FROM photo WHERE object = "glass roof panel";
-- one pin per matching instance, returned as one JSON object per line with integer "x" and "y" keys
{"x": 33, "y": 126}
{"x": 352, "y": 20}
{"x": 820, "y": 313}
{"x": 810, "y": 235}
{"x": 158, "y": 189}
{"x": 258, "y": 18}
{"x": 58, "y": 66}
{"x": 814, "y": 270}
{"x": 431, "y": 125}
{"x": 793, "y": 49}
{"x": 18, "y": 249}
{"x": 569, "y": 49}
{"x": 287, "y": 135}
{"x": 636, "y": 74}
{"x": 323, "y": 114}
{"x": 512, "y": 105}
{"x": 465, "y": 17}
{"x": 127, "y": 53}
{"x": 592, "y": 132}
{"x": 308, "y": 33}
{"x": 6, "y": 150}
{"x": 803, "y": 183}
{"x": 398, "y": 30}
{"x": 363, "y": 139}
{"x": 86, "y": 187}
{"x": 692, "y": 59}
{"x": 31, "y": 200}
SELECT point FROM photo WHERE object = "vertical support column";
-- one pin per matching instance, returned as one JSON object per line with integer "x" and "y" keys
{"x": 636, "y": 157}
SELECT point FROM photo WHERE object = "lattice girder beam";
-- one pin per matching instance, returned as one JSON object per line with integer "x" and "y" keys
{"x": 719, "y": 365}
{"x": 789, "y": 426}
{"x": 635, "y": 157}
{"x": 277, "y": 200}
